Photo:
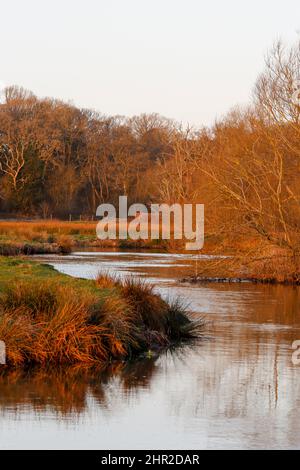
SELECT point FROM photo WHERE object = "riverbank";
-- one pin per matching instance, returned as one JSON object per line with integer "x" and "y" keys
{"x": 273, "y": 266}
{"x": 51, "y": 318}
{"x": 61, "y": 237}
{"x": 238, "y": 259}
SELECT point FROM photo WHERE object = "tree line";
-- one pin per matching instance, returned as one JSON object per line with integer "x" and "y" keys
{"x": 58, "y": 159}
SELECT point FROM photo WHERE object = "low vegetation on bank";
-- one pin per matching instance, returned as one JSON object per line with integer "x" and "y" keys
{"x": 50, "y": 318}
{"x": 246, "y": 258}
{"x": 258, "y": 264}
{"x": 59, "y": 237}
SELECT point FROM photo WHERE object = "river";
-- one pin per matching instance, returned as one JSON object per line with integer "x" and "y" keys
{"x": 237, "y": 389}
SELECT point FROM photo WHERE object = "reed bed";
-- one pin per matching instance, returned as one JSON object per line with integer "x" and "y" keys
{"x": 51, "y": 322}
{"x": 40, "y": 237}
{"x": 43, "y": 230}
{"x": 56, "y": 236}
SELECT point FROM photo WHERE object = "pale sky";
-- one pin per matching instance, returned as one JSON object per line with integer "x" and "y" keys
{"x": 191, "y": 60}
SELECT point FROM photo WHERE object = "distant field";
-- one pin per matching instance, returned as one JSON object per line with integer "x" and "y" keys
{"x": 42, "y": 230}
{"x": 54, "y": 236}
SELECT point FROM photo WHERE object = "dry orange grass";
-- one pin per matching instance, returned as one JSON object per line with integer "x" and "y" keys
{"x": 54, "y": 236}
{"x": 105, "y": 280}
{"x": 44, "y": 236}
{"x": 41, "y": 230}
{"x": 150, "y": 307}
{"x": 47, "y": 323}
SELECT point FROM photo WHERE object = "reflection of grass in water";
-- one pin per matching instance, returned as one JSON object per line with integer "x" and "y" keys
{"x": 64, "y": 390}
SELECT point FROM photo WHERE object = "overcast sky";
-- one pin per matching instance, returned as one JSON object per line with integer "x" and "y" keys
{"x": 191, "y": 60}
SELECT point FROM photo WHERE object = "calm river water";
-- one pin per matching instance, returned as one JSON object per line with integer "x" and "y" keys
{"x": 237, "y": 389}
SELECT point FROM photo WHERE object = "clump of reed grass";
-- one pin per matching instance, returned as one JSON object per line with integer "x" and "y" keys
{"x": 35, "y": 298}
{"x": 181, "y": 323}
{"x": 105, "y": 280}
{"x": 65, "y": 243}
{"x": 150, "y": 308}
{"x": 49, "y": 323}
{"x": 16, "y": 332}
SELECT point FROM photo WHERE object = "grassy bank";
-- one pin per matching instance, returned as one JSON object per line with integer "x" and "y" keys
{"x": 50, "y": 318}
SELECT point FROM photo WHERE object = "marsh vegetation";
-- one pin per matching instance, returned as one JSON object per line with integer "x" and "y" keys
{"x": 50, "y": 318}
